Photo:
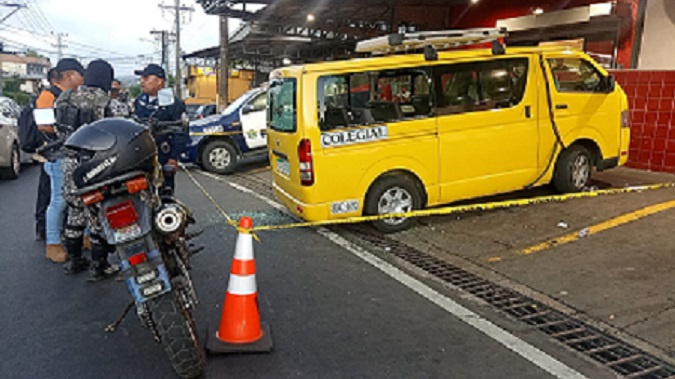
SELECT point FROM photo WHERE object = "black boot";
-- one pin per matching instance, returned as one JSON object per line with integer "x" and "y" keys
{"x": 75, "y": 261}
{"x": 100, "y": 268}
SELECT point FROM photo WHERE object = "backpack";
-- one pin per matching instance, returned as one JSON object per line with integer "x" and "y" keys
{"x": 30, "y": 138}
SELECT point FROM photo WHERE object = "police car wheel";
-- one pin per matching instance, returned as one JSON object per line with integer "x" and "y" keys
{"x": 219, "y": 157}
{"x": 573, "y": 169}
{"x": 393, "y": 194}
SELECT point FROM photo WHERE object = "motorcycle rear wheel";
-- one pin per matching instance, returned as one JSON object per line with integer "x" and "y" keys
{"x": 178, "y": 335}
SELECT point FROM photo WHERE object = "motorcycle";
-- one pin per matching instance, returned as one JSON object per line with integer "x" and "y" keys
{"x": 118, "y": 179}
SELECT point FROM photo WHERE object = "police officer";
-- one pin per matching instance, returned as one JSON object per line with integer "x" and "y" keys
{"x": 75, "y": 108}
{"x": 146, "y": 106}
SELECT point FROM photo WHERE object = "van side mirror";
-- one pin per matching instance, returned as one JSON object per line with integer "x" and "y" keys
{"x": 609, "y": 83}
{"x": 165, "y": 97}
{"x": 44, "y": 116}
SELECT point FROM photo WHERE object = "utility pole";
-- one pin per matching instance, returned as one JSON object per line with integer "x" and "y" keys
{"x": 177, "y": 8}
{"x": 223, "y": 63}
{"x": 164, "y": 40}
{"x": 16, "y": 7}
{"x": 59, "y": 45}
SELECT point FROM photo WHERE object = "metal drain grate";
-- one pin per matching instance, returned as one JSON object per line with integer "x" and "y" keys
{"x": 618, "y": 356}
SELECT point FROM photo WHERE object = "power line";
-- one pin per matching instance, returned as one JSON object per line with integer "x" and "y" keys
{"x": 42, "y": 16}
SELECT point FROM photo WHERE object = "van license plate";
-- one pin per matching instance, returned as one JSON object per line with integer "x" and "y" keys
{"x": 283, "y": 167}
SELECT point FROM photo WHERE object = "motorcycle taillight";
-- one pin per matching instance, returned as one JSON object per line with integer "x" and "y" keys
{"x": 121, "y": 215}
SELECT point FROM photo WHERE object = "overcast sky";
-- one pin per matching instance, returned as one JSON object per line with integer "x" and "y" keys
{"x": 118, "y": 30}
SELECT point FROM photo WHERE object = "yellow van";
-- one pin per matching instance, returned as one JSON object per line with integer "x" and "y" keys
{"x": 396, "y": 133}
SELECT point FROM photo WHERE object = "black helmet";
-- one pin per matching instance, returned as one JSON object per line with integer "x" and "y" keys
{"x": 111, "y": 147}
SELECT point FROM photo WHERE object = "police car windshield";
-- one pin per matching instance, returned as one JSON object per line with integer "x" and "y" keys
{"x": 238, "y": 103}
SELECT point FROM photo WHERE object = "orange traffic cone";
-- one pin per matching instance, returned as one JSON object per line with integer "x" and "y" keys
{"x": 240, "y": 327}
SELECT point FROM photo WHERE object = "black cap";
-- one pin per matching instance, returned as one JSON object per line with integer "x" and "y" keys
{"x": 152, "y": 69}
{"x": 99, "y": 74}
{"x": 69, "y": 64}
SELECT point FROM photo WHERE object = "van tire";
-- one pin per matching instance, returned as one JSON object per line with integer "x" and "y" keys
{"x": 573, "y": 169}
{"x": 12, "y": 172}
{"x": 400, "y": 188}
{"x": 219, "y": 157}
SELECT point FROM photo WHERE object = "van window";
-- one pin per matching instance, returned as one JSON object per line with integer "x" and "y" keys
{"x": 373, "y": 97}
{"x": 575, "y": 75}
{"x": 282, "y": 105}
{"x": 480, "y": 86}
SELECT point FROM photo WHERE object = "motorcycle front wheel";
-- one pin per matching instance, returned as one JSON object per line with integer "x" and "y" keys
{"x": 178, "y": 335}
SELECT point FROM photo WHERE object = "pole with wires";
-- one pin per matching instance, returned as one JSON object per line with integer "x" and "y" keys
{"x": 177, "y": 9}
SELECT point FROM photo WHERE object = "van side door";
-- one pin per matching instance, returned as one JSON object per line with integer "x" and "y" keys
{"x": 488, "y": 126}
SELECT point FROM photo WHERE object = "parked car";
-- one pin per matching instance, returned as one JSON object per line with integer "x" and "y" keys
{"x": 205, "y": 110}
{"x": 10, "y": 154}
{"x": 239, "y": 131}
{"x": 191, "y": 110}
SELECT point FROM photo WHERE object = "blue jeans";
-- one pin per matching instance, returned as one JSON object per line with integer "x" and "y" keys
{"x": 57, "y": 204}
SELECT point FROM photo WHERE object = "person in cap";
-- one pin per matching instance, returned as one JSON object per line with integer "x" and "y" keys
{"x": 69, "y": 75}
{"x": 118, "y": 106}
{"x": 146, "y": 105}
{"x": 75, "y": 108}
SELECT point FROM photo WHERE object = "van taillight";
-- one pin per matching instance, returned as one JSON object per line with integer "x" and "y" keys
{"x": 625, "y": 119}
{"x": 121, "y": 215}
{"x": 306, "y": 164}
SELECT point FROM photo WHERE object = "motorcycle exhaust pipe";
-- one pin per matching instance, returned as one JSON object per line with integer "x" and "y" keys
{"x": 170, "y": 219}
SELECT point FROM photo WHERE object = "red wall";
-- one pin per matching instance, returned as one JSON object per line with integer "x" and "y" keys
{"x": 651, "y": 97}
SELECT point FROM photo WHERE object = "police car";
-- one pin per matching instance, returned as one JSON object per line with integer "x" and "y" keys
{"x": 218, "y": 142}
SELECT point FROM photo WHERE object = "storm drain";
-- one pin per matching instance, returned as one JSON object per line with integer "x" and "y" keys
{"x": 620, "y": 357}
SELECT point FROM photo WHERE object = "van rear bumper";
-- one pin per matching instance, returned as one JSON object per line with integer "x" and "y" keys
{"x": 309, "y": 212}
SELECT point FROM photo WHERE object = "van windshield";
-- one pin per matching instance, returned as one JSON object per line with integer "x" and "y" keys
{"x": 281, "y": 100}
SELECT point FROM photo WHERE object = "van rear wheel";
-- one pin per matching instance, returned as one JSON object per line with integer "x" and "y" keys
{"x": 573, "y": 169}
{"x": 393, "y": 194}
{"x": 219, "y": 157}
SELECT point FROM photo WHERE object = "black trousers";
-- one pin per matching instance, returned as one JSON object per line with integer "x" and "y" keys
{"x": 43, "y": 196}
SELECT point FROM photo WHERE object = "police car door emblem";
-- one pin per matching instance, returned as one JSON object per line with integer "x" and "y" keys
{"x": 354, "y": 136}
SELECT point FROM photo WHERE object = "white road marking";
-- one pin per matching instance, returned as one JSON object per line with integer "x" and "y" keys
{"x": 513, "y": 343}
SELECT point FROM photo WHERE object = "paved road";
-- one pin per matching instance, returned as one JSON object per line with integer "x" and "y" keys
{"x": 332, "y": 314}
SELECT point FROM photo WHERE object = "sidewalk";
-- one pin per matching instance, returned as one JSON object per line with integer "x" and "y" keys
{"x": 622, "y": 277}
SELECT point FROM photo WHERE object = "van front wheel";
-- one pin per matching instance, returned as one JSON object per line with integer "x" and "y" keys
{"x": 393, "y": 194}
{"x": 573, "y": 169}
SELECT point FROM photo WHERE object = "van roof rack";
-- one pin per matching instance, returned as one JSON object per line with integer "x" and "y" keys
{"x": 401, "y": 42}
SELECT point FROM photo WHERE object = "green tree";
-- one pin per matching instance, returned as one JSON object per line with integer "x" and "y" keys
{"x": 134, "y": 90}
{"x": 32, "y": 53}
{"x": 11, "y": 87}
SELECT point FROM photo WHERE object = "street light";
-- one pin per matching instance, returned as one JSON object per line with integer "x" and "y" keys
{"x": 538, "y": 11}
{"x": 310, "y": 18}
{"x": 474, "y": 1}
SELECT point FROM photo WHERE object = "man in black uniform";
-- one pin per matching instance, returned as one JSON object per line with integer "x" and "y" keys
{"x": 146, "y": 106}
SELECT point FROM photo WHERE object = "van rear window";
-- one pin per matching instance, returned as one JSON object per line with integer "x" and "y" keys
{"x": 282, "y": 105}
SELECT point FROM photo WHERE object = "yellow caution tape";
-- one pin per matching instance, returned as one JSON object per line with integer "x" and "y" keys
{"x": 433, "y": 211}
{"x": 469, "y": 208}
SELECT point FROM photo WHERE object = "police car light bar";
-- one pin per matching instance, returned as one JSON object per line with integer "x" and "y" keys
{"x": 398, "y": 42}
